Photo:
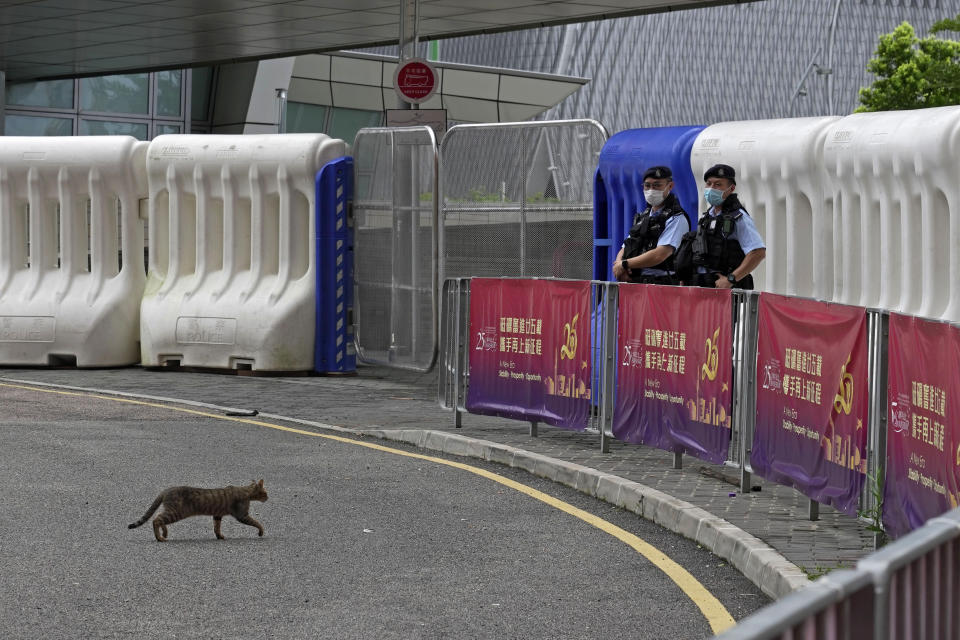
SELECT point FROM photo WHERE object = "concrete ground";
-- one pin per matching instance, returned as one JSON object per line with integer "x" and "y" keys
{"x": 765, "y": 533}
{"x": 360, "y": 541}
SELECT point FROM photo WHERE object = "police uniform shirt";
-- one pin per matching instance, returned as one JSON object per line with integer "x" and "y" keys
{"x": 672, "y": 235}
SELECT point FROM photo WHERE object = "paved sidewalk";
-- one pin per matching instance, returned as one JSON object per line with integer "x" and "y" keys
{"x": 766, "y": 533}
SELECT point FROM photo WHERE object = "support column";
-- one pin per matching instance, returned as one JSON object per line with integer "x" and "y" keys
{"x": 405, "y": 214}
{"x": 281, "y": 110}
{"x": 3, "y": 103}
{"x": 409, "y": 37}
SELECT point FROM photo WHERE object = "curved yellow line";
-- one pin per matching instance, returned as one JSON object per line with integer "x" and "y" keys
{"x": 716, "y": 614}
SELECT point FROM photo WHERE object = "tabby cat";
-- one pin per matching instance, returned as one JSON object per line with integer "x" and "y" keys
{"x": 183, "y": 502}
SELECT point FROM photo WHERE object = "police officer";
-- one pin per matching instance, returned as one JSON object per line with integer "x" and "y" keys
{"x": 647, "y": 253}
{"x": 727, "y": 246}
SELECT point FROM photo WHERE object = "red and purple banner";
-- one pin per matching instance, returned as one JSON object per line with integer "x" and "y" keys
{"x": 812, "y": 402}
{"x": 923, "y": 428}
{"x": 674, "y": 369}
{"x": 530, "y": 350}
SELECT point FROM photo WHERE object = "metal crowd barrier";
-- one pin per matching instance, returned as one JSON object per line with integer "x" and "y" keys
{"x": 745, "y": 383}
{"x": 908, "y": 589}
{"x": 395, "y": 219}
{"x": 455, "y": 340}
{"x": 455, "y": 376}
{"x": 454, "y": 330}
{"x": 878, "y": 322}
{"x": 500, "y": 199}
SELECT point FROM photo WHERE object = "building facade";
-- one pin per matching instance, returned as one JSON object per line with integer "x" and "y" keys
{"x": 757, "y": 60}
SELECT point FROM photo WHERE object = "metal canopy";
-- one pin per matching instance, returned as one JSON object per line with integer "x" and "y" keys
{"x": 43, "y": 39}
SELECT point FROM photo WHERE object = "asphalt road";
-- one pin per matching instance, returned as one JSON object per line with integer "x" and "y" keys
{"x": 359, "y": 543}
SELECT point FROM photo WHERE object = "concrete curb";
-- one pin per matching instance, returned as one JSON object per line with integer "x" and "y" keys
{"x": 760, "y": 563}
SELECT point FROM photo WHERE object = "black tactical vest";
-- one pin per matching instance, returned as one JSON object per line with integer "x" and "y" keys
{"x": 647, "y": 229}
{"x": 712, "y": 247}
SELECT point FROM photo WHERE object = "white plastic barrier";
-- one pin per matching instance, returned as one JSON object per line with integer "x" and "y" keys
{"x": 780, "y": 180}
{"x": 895, "y": 183}
{"x": 71, "y": 250}
{"x": 232, "y": 234}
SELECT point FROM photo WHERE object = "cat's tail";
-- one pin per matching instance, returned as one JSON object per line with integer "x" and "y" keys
{"x": 146, "y": 516}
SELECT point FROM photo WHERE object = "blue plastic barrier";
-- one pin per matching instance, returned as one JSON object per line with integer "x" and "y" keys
{"x": 334, "y": 351}
{"x": 618, "y": 185}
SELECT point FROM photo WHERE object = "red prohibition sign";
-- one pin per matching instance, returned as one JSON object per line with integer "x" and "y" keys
{"x": 415, "y": 80}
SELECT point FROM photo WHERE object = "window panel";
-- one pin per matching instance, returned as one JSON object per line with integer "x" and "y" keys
{"x": 52, "y": 108}
{"x": 55, "y": 94}
{"x": 116, "y": 94}
{"x": 17, "y": 125}
{"x": 344, "y": 123}
{"x": 110, "y": 128}
{"x": 306, "y": 118}
{"x": 169, "y": 87}
{"x": 201, "y": 88}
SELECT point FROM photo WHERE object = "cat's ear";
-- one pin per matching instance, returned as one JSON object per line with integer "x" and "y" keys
{"x": 261, "y": 483}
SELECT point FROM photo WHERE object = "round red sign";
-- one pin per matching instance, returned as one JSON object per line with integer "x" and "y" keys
{"x": 415, "y": 80}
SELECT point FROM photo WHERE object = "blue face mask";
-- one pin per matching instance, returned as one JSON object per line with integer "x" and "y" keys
{"x": 714, "y": 197}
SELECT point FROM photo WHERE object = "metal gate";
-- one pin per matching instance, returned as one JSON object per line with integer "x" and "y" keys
{"x": 517, "y": 199}
{"x": 395, "y": 246}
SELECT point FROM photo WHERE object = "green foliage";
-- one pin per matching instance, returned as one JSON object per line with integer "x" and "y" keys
{"x": 874, "y": 515}
{"x": 539, "y": 197}
{"x": 947, "y": 24}
{"x": 912, "y": 72}
{"x": 819, "y": 571}
{"x": 482, "y": 195}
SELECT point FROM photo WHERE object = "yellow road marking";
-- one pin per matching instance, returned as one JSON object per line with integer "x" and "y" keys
{"x": 716, "y": 614}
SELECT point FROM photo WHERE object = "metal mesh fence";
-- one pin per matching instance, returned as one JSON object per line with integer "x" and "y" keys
{"x": 517, "y": 199}
{"x": 395, "y": 240}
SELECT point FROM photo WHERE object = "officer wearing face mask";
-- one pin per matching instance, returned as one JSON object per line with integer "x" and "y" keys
{"x": 727, "y": 246}
{"x": 647, "y": 253}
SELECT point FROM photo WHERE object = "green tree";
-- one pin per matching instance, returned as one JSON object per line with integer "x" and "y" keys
{"x": 912, "y": 72}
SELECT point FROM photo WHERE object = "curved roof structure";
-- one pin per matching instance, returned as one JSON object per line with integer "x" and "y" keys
{"x": 46, "y": 39}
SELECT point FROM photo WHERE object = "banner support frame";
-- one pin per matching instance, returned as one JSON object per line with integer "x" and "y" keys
{"x": 611, "y": 310}
{"x": 746, "y": 394}
{"x": 813, "y": 511}
{"x": 462, "y": 371}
